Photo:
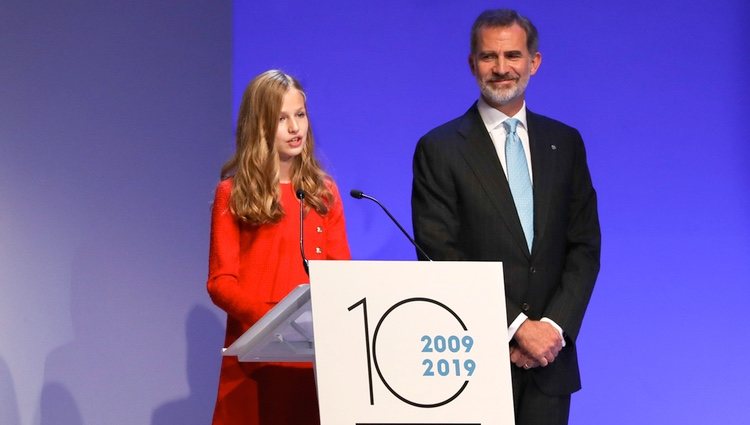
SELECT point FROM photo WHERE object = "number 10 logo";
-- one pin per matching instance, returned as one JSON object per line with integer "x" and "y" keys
{"x": 421, "y": 364}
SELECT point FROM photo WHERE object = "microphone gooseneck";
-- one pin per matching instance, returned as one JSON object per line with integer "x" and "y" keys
{"x": 301, "y": 196}
{"x": 358, "y": 194}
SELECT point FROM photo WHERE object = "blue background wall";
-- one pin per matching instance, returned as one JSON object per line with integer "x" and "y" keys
{"x": 115, "y": 118}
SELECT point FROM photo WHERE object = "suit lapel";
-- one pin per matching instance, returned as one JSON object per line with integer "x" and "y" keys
{"x": 542, "y": 165}
{"x": 481, "y": 156}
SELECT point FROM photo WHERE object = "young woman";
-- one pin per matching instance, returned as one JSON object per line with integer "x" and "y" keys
{"x": 255, "y": 259}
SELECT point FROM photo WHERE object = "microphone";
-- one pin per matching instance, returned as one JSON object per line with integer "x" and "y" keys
{"x": 301, "y": 196}
{"x": 358, "y": 194}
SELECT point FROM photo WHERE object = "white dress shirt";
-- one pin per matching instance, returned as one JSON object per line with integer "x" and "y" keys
{"x": 493, "y": 121}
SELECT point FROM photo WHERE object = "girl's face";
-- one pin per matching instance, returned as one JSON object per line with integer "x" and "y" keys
{"x": 292, "y": 126}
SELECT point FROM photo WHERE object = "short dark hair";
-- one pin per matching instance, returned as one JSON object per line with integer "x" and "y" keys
{"x": 504, "y": 18}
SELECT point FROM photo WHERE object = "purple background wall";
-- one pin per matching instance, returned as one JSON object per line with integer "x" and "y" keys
{"x": 115, "y": 117}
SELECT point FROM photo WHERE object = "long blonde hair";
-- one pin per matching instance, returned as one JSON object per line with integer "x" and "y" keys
{"x": 256, "y": 197}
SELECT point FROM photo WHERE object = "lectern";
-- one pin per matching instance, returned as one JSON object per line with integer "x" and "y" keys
{"x": 284, "y": 334}
{"x": 395, "y": 341}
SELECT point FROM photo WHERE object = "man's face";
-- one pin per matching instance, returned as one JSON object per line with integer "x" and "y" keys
{"x": 502, "y": 66}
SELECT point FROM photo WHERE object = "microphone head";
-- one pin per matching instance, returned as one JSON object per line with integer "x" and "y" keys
{"x": 356, "y": 194}
{"x": 300, "y": 194}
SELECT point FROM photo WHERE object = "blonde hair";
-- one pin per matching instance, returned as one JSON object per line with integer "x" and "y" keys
{"x": 256, "y": 197}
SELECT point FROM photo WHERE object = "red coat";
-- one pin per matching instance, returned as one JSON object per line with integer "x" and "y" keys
{"x": 250, "y": 269}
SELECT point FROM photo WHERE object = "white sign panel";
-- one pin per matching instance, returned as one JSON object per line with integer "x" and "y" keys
{"x": 411, "y": 342}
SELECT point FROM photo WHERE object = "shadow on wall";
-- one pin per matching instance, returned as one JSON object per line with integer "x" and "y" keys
{"x": 8, "y": 402}
{"x": 58, "y": 406}
{"x": 73, "y": 372}
{"x": 126, "y": 354}
{"x": 204, "y": 338}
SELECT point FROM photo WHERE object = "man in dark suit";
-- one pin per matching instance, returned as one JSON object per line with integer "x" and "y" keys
{"x": 501, "y": 183}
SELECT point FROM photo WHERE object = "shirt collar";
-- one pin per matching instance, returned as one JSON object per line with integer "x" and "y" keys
{"x": 492, "y": 118}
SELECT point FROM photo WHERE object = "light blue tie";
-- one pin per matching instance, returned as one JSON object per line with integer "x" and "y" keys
{"x": 519, "y": 180}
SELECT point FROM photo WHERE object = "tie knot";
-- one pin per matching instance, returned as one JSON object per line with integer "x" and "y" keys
{"x": 510, "y": 125}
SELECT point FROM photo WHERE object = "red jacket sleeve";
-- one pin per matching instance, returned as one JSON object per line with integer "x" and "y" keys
{"x": 224, "y": 261}
{"x": 338, "y": 246}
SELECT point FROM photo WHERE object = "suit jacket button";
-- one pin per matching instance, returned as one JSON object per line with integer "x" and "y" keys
{"x": 319, "y": 229}
{"x": 532, "y": 270}
{"x": 525, "y": 307}
{"x": 318, "y": 250}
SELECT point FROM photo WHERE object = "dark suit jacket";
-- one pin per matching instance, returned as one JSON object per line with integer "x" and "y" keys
{"x": 462, "y": 209}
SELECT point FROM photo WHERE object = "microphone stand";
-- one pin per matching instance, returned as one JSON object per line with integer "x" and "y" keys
{"x": 358, "y": 194}
{"x": 301, "y": 196}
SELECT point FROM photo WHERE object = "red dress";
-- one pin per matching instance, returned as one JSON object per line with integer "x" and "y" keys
{"x": 251, "y": 268}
